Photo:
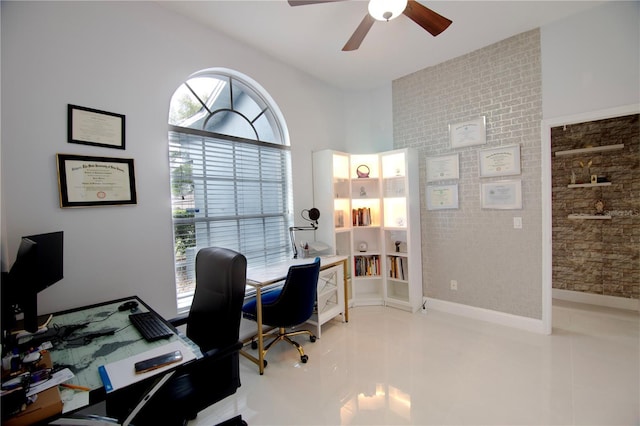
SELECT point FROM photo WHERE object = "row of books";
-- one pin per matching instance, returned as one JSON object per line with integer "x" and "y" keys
{"x": 398, "y": 267}
{"x": 361, "y": 216}
{"x": 365, "y": 266}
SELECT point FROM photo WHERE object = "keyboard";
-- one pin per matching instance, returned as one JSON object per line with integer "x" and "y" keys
{"x": 150, "y": 326}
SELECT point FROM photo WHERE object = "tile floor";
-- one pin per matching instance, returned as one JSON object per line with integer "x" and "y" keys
{"x": 389, "y": 367}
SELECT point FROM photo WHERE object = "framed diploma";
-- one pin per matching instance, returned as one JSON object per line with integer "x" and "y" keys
{"x": 95, "y": 181}
{"x": 441, "y": 197}
{"x": 502, "y": 161}
{"x": 443, "y": 168}
{"x": 468, "y": 133}
{"x": 94, "y": 127}
{"x": 501, "y": 195}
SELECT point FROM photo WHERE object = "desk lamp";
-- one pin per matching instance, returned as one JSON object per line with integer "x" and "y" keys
{"x": 313, "y": 215}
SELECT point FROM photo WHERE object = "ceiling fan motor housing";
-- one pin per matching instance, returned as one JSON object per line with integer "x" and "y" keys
{"x": 385, "y": 10}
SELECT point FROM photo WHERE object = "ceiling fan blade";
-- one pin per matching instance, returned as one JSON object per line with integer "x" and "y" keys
{"x": 306, "y": 2}
{"x": 359, "y": 34}
{"x": 426, "y": 18}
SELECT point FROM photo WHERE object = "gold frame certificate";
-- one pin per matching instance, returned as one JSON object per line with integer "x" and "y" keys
{"x": 85, "y": 181}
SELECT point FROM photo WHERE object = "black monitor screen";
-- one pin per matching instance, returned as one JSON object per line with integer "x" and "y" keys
{"x": 38, "y": 265}
{"x": 48, "y": 250}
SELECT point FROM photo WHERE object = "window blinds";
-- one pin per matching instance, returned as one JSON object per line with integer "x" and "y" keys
{"x": 228, "y": 192}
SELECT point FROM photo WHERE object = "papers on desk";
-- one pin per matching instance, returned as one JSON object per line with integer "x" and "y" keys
{"x": 56, "y": 378}
{"x": 122, "y": 373}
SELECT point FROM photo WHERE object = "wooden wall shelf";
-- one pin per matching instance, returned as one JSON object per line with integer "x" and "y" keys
{"x": 589, "y": 217}
{"x": 588, "y": 185}
{"x": 591, "y": 149}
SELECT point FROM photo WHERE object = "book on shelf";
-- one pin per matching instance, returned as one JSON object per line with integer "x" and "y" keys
{"x": 361, "y": 216}
{"x": 367, "y": 266}
{"x": 398, "y": 267}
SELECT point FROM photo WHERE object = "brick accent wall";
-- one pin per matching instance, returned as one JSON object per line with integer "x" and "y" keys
{"x": 496, "y": 266}
{"x": 597, "y": 256}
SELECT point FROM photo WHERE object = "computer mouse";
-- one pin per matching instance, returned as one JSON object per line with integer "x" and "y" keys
{"x": 128, "y": 306}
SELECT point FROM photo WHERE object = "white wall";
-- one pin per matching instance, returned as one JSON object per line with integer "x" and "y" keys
{"x": 591, "y": 61}
{"x": 128, "y": 58}
{"x": 369, "y": 121}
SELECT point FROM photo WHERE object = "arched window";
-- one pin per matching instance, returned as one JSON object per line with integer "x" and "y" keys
{"x": 230, "y": 173}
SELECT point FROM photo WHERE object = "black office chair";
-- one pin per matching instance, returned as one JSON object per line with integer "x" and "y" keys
{"x": 213, "y": 323}
{"x": 288, "y": 307}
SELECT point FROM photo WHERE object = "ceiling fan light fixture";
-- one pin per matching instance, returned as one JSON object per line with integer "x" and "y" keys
{"x": 386, "y": 10}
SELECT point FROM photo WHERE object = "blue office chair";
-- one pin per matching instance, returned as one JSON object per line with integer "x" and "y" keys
{"x": 288, "y": 307}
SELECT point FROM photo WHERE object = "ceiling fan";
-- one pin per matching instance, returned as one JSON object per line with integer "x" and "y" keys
{"x": 385, "y": 10}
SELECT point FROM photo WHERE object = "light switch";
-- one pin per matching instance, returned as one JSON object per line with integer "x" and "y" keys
{"x": 517, "y": 223}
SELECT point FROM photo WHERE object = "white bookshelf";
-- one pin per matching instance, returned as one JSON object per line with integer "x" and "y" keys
{"x": 379, "y": 210}
{"x": 368, "y": 271}
{"x": 401, "y": 229}
{"x": 332, "y": 196}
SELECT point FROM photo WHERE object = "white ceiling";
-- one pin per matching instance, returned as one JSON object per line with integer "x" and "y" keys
{"x": 311, "y": 37}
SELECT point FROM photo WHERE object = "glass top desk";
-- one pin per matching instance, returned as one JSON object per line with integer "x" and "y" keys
{"x": 261, "y": 277}
{"x": 86, "y": 349}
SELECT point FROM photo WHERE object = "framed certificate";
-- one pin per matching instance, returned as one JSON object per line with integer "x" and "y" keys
{"x": 502, "y": 161}
{"x": 468, "y": 133}
{"x": 443, "y": 168}
{"x": 95, "y": 181}
{"x": 441, "y": 197}
{"x": 90, "y": 126}
{"x": 501, "y": 195}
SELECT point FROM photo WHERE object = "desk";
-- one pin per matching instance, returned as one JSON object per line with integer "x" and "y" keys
{"x": 83, "y": 355}
{"x": 258, "y": 278}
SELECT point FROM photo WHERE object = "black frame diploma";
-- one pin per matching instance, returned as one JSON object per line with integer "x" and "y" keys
{"x": 90, "y": 126}
{"x": 85, "y": 181}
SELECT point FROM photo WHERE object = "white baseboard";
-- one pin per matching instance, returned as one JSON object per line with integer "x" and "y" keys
{"x": 596, "y": 299}
{"x": 501, "y": 318}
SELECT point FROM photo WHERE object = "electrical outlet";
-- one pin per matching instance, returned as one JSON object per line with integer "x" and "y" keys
{"x": 454, "y": 285}
{"x": 517, "y": 223}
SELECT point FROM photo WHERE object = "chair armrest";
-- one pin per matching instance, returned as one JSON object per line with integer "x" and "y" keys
{"x": 223, "y": 352}
{"x": 179, "y": 320}
{"x": 210, "y": 357}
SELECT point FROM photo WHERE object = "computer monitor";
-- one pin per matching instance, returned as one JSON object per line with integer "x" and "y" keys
{"x": 38, "y": 265}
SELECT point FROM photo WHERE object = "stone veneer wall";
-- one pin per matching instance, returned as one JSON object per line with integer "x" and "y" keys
{"x": 597, "y": 256}
{"x": 496, "y": 266}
